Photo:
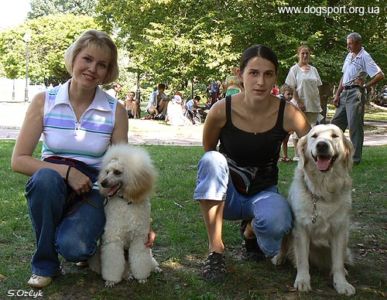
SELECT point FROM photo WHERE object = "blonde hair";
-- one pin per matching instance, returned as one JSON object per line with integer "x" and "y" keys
{"x": 303, "y": 47}
{"x": 95, "y": 38}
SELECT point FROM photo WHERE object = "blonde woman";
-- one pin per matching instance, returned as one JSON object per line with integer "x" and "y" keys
{"x": 305, "y": 81}
{"x": 78, "y": 122}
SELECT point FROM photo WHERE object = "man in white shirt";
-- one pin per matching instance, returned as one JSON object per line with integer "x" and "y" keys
{"x": 350, "y": 98}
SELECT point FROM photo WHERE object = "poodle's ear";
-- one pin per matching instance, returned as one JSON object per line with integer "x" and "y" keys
{"x": 348, "y": 149}
{"x": 301, "y": 147}
{"x": 139, "y": 185}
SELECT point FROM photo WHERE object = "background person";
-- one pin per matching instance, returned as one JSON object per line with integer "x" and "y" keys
{"x": 131, "y": 105}
{"x": 250, "y": 126}
{"x": 350, "y": 98}
{"x": 305, "y": 81}
{"x": 78, "y": 122}
{"x": 158, "y": 102}
{"x": 286, "y": 94}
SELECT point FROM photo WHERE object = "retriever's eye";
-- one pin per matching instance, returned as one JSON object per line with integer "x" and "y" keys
{"x": 314, "y": 135}
{"x": 117, "y": 172}
{"x": 334, "y": 135}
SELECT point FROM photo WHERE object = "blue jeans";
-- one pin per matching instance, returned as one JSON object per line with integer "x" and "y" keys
{"x": 270, "y": 211}
{"x": 72, "y": 232}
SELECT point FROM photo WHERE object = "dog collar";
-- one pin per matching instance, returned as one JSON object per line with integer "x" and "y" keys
{"x": 315, "y": 199}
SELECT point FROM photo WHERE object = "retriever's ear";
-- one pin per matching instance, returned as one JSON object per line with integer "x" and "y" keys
{"x": 301, "y": 147}
{"x": 348, "y": 148}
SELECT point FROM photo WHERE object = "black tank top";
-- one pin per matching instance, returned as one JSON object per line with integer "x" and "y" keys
{"x": 249, "y": 149}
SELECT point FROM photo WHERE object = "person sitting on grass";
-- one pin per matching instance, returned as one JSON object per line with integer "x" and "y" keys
{"x": 78, "y": 121}
{"x": 158, "y": 103}
{"x": 239, "y": 182}
{"x": 131, "y": 105}
{"x": 191, "y": 106}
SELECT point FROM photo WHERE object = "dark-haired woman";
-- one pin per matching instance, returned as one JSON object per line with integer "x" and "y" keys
{"x": 239, "y": 182}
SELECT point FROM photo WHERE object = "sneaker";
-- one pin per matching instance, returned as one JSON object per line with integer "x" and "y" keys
{"x": 214, "y": 267}
{"x": 296, "y": 158}
{"x": 39, "y": 282}
{"x": 252, "y": 250}
{"x": 82, "y": 264}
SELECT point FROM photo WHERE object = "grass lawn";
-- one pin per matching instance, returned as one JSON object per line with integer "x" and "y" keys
{"x": 181, "y": 243}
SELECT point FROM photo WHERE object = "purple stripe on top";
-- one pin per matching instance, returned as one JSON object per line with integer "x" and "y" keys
{"x": 60, "y": 123}
{"x": 103, "y": 128}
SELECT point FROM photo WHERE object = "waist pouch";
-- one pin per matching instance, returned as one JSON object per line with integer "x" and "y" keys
{"x": 252, "y": 180}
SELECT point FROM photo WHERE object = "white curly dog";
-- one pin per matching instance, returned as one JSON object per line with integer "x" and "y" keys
{"x": 126, "y": 180}
{"x": 320, "y": 197}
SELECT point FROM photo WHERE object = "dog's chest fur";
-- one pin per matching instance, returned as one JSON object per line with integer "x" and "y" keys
{"x": 124, "y": 219}
{"x": 329, "y": 210}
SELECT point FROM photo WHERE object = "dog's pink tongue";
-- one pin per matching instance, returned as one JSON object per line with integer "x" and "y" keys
{"x": 113, "y": 190}
{"x": 323, "y": 163}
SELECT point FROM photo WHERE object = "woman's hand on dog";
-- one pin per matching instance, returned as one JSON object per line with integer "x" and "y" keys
{"x": 151, "y": 239}
{"x": 79, "y": 182}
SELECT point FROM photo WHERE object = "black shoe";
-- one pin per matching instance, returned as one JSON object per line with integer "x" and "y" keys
{"x": 214, "y": 267}
{"x": 252, "y": 250}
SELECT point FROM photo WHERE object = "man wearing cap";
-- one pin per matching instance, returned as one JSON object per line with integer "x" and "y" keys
{"x": 350, "y": 95}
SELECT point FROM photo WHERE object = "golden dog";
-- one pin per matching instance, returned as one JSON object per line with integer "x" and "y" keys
{"x": 320, "y": 197}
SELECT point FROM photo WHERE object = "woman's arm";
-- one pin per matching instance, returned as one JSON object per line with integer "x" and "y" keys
{"x": 120, "y": 131}
{"x": 295, "y": 120}
{"x": 215, "y": 121}
{"x": 22, "y": 160}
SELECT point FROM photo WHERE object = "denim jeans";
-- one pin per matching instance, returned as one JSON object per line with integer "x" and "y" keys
{"x": 269, "y": 210}
{"x": 72, "y": 232}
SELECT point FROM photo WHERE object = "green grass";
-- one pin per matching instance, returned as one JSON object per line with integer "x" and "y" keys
{"x": 181, "y": 243}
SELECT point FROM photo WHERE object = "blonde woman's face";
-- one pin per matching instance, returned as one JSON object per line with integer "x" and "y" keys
{"x": 91, "y": 66}
{"x": 304, "y": 55}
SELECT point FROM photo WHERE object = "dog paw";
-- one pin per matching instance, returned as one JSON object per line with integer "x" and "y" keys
{"x": 129, "y": 277}
{"x": 157, "y": 270}
{"x": 109, "y": 284}
{"x": 344, "y": 288}
{"x": 302, "y": 283}
{"x": 277, "y": 260}
{"x": 142, "y": 280}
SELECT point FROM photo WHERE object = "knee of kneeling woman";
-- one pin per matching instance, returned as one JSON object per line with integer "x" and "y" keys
{"x": 75, "y": 250}
{"x": 46, "y": 184}
{"x": 45, "y": 180}
{"x": 212, "y": 159}
{"x": 274, "y": 220}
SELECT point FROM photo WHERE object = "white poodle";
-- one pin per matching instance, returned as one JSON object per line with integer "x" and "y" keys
{"x": 126, "y": 180}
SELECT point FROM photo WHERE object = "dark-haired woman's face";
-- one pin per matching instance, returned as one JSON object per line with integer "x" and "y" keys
{"x": 258, "y": 77}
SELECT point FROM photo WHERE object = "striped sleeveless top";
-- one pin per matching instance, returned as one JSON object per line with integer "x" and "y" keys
{"x": 86, "y": 139}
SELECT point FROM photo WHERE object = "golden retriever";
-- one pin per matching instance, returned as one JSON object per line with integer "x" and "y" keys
{"x": 320, "y": 197}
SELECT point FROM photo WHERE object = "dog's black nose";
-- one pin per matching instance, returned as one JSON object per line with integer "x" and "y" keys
{"x": 322, "y": 147}
{"x": 104, "y": 183}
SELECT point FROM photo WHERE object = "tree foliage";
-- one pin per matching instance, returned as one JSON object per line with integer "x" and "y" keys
{"x": 40, "y": 8}
{"x": 50, "y": 37}
{"x": 177, "y": 40}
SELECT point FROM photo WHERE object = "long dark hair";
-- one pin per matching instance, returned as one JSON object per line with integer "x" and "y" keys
{"x": 258, "y": 51}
